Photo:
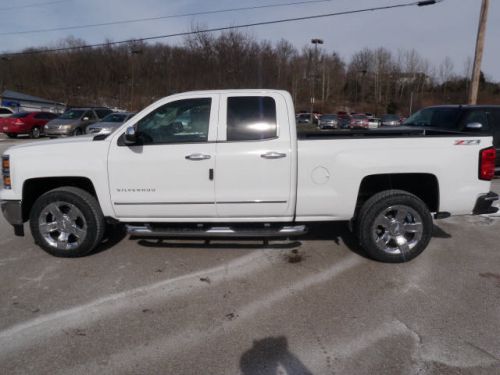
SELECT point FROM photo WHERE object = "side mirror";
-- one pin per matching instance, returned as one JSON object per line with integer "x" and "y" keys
{"x": 85, "y": 119}
{"x": 474, "y": 126}
{"x": 130, "y": 136}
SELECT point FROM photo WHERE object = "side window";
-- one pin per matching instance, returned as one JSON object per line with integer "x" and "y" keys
{"x": 251, "y": 118}
{"x": 477, "y": 116}
{"x": 102, "y": 112}
{"x": 176, "y": 122}
{"x": 5, "y": 111}
{"x": 40, "y": 116}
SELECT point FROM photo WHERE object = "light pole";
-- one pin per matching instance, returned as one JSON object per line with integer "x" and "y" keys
{"x": 133, "y": 51}
{"x": 314, "y": 69}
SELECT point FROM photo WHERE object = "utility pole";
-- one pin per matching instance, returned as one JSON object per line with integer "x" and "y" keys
{"x": 315, "y": 72}
{"x": 476, "y": 73}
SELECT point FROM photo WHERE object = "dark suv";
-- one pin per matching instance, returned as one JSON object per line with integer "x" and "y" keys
{"x": 480, "y": 119}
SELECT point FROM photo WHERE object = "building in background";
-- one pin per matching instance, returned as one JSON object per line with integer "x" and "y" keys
{"x": 22, "y": 102}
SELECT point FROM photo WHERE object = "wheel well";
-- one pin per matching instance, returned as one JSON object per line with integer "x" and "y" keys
{"x": 423, "y": 185}
{"x": 35, "y": 187}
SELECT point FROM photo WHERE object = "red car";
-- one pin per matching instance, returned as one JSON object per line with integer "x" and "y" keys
{"x": 359, "y": 121}
{"x": 31, "y": 123}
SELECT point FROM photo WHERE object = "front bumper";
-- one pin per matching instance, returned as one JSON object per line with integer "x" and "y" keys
{"x": 58, "y": 132}
{"x": 484, "y": 204}
{"x": 13, "y": 213}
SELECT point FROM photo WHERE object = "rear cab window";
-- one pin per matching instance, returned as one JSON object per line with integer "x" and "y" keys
{"x": 251, "y": 118}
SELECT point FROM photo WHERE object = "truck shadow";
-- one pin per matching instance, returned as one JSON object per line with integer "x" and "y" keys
{"x": 337, "y": 232}
{"x": 271, "y": 356}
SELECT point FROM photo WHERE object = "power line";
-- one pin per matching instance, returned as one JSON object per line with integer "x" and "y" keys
{"x": 210, "y": 30}
{"x": 33, "y": 5}
{"x": 137, "y": 20}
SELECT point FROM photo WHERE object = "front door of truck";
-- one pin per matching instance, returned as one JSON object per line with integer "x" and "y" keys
{"x": 253, "y": 177}
{"x": 168, "y": 175}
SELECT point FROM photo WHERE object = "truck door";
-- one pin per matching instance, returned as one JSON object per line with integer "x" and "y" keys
{"x": 168, "y": 175}
{"x": 253, "y": 176}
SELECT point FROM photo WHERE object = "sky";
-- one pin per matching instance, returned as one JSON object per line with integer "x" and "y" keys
{"x": 447, "y": 29}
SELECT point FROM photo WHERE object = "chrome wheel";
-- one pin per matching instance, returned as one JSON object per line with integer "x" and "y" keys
{"x": 397, "y": 229}
{"x": 62, "y": 225}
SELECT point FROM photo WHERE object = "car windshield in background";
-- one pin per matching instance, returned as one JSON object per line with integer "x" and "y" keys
{"x": 390, "y": 118}
{"x": 359, "y": 117}
{"x": 71, "y": 115}
{"x": 329, "y": 117}
{"x": 115, "y": 117}
{"x": 444, "y": 118}
{"x": 20, "y": 115}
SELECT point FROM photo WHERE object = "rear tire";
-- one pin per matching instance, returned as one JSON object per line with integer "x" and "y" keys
{"x": 394, "y": 226}
{"x": 67, "y": 222}
{"x": 12, "y": 135}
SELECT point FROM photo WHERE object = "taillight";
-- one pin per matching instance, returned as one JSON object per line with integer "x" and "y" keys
{"x": 6, "y": 172}
{"x": 18, "y": 122}
{"x": 487, "y": 158}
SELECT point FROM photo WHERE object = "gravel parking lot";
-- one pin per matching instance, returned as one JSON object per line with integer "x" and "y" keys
{"x": 315, "y": 306}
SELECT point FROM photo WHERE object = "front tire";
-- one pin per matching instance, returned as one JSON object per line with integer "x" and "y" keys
{"x": 12, "y": 135}
{"x": 35, "y": 132}
{"x": 77, "y": 132}
{"x": 394, "y": 226}
{"x": 67, "y": 222}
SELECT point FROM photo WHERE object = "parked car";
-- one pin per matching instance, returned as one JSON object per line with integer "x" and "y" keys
{"x": 359, "y": 121}
{"x": 470, "y": 119}
{"x": 74, "y": 122}
{"x": 109, "y": 123}
{"x": 373, "y": 123}
{"x": 31, "y": 123}
{"x": 328, "y": 121}
{"x": 305, "y": 118}
{"x": 244, "y": 173}
{"x": 391, "y": 120}
{"x": 5, "y": 112}
{"x": 344, "y": 120}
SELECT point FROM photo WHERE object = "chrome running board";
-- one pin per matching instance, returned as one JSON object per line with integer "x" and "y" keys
{"x": 148, "y": 230}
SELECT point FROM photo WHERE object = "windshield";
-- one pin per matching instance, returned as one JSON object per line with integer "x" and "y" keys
{"x": 359, "y": 117}
{"x": 329, "y": 117}
{"x": 72, "y": 114}
{"x": 390, "y": 118}
{"x": 444, "y": 118}
{"x": 115, "y": 117}
{"x": 20, "y": 115}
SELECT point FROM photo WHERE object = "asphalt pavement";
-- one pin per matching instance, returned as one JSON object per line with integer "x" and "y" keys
{"x": 315, "y": 306}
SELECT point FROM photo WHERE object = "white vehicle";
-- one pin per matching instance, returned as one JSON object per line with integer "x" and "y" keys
{"x": 241, "y": 162}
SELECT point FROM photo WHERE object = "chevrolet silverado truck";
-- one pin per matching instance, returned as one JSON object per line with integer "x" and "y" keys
{"x": 231, "y": 164}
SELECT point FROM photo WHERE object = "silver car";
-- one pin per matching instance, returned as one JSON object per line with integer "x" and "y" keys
{"x": 391, "y": 120}
{"x": 109, "y": 123}
{"x": 328, "y": 122}
{"x": 72, "y": 122}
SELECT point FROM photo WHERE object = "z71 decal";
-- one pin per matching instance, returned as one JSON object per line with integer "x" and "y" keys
{"x": 467, "y": 142}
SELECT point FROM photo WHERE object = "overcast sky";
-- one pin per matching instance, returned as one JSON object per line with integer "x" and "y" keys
{"x": 446, "y": 29}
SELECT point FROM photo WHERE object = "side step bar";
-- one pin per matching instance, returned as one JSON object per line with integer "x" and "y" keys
{"x": 215, "y": 232}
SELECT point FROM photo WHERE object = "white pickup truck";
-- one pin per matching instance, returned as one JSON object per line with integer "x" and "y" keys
{"x": 230, "y": 163}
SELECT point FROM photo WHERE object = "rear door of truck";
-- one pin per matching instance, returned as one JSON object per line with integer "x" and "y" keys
{"x": 253, "y": 174}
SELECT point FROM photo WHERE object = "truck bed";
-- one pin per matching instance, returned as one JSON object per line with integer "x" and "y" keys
{"x": 311, "y": 133}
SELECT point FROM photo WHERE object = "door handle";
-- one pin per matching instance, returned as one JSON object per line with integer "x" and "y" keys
{"x": 198, "y": 157}
{"x": 273, "y": 155}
